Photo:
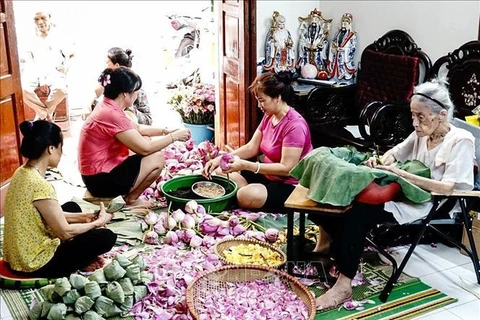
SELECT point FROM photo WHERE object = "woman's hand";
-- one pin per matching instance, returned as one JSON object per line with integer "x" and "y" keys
{"x": 90, "y": 216}
{"x": 210, "y": 166}
{"x": 103, "y": 216}
{"x": 372, "y": 162}
{"x": 235, "y": 165}
{"x": 181, "y": 135}
{"x": 392, "y": 168}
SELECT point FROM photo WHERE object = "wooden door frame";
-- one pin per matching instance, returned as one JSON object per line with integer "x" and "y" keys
{"x": 247, "y": 37}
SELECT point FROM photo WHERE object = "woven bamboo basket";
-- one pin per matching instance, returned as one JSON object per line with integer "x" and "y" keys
{"x": 218, "y": 279}
{"x": 224, "y": 245}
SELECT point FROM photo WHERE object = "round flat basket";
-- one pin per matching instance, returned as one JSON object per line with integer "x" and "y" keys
{"x": 222, "y": 246}
{"x": 222, "y": 278}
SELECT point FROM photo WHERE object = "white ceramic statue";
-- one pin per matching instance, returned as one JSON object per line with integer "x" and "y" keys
{"x": 341, "y": 66}
{"x": 313, "y": 43}
{"x": 279, "y": 55}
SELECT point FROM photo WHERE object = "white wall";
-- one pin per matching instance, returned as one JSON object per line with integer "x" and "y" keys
{"x": 438, "y": 27}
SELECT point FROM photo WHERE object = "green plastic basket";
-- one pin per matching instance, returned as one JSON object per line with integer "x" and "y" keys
{"x": 211, "y": 205}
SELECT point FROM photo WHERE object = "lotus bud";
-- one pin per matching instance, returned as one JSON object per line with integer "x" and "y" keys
{"x": 258, "y": 235}
{"x": 178, "y": 215}
{"x": 252, "y": 216}
{"x": 189, "y": 144}
{"x": 209, "y": 241}
{"x": 170, "y": 223}
{"x": 151, "y": 237}
{"x": 209, "y": 227}
{"x": 151, "y": 218}
{"x": 188, "y": 222}
{"x": 225, "y": 161}
{"x": 160, "y": 229}
{"x": 201, "y": 209}
{"x": 191, "y": 206}
{"x": 223, "y": 224}
{"x": 271, "y": 235}
{"x": 233, "y": 221}
{"x": 148, "y": 191}
{"x": 238, "y": 230}
{"x": 163, "y": 215}
{"x": 223, "y": 231}
{"x": 188, "y": 235}
{"x": 171, "y": 238}
{"x": 196, "y": 241}
{"x": 249, "y": 234}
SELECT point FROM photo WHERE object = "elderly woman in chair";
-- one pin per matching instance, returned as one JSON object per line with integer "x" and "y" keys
{"x": 446, "y": 150}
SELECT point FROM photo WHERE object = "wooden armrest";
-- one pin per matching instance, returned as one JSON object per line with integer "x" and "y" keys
{"x": 460, "y": 193}
{"x": 298, "y": 199}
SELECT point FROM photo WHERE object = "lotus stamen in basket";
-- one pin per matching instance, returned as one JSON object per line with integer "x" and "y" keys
{"x": 249, "y": 252}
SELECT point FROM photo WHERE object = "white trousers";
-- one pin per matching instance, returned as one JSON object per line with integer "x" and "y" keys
{"x": 58, "y": 91}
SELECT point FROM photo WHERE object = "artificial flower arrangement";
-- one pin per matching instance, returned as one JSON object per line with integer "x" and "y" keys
{"x": 195, "y": 104}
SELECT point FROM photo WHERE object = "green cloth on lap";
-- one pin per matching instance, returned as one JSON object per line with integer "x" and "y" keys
{"x": 335, "y": 176}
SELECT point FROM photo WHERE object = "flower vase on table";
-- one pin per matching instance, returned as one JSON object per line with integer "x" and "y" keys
{"x": 200, "y": 132}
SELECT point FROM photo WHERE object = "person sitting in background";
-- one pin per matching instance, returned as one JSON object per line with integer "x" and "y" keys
{"x": 448, "y": 152}
{"x": 107, "y": 136}
{"x": 283, "y": 137}
{"x": 41, "y": 237}
{"x": 139, "y": 112}
{"x": 45, "y": 64}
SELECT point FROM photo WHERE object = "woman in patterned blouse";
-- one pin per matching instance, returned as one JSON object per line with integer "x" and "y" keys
{"x": 42, "y": 238}
{"x": 139, "y": 112}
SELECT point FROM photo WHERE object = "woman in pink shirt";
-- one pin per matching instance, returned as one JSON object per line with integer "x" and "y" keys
{"x": 283, "y": 137}
{"x": 108, "y": 135}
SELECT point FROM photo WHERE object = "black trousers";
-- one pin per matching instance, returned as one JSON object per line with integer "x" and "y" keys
{"x": 349, "y": 231}
{"x": 77, "y": 252}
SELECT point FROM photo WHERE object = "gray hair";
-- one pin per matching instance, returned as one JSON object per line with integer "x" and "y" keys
{"x": 435, "y": 95}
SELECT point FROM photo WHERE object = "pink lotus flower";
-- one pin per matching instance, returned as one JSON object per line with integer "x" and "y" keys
{"x": 233, "y": 221}
{"x": 271, "y": 235}
{"x": 178, "y": 215}
{"x": 151, "y": 237}
{"x": 170, "y": 223}
{"x": 225, "y": 161}
{"x": 171, "y": 237}
{"x": 188, "y": 222}
{"x": 151, "y": 218}
{"x": 201, "y": 209}
{"x": 238, "y": 230}
{"x": 196, "y": 241}
{"x": 191, "y": 206}
{"x": 160, "y": 229}
{"x": 188, "y": 234}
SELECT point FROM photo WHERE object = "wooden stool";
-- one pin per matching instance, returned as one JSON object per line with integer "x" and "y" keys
{"x": 89, "y": 198}
{"x": 298, "y": 201}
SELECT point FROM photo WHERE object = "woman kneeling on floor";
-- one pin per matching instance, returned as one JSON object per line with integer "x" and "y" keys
{"x": 42, "y": 238}
{"x": 107, "y": 136}
{"x": 446, "y": 150}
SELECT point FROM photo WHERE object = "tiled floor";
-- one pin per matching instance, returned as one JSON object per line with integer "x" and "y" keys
{"x": 442, "y": 267}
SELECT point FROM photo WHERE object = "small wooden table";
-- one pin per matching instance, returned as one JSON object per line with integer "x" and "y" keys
{"x": 298, "y": 201}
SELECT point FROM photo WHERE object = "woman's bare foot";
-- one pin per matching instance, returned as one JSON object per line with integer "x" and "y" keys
{"x": 338, "y": 294}
{"x": 139, "y": 203}
{"x": 96, "y": 264}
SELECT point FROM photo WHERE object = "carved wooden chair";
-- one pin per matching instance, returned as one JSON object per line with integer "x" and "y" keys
{"x": 389, "y": 69}
{"x": 462, "y": 67}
